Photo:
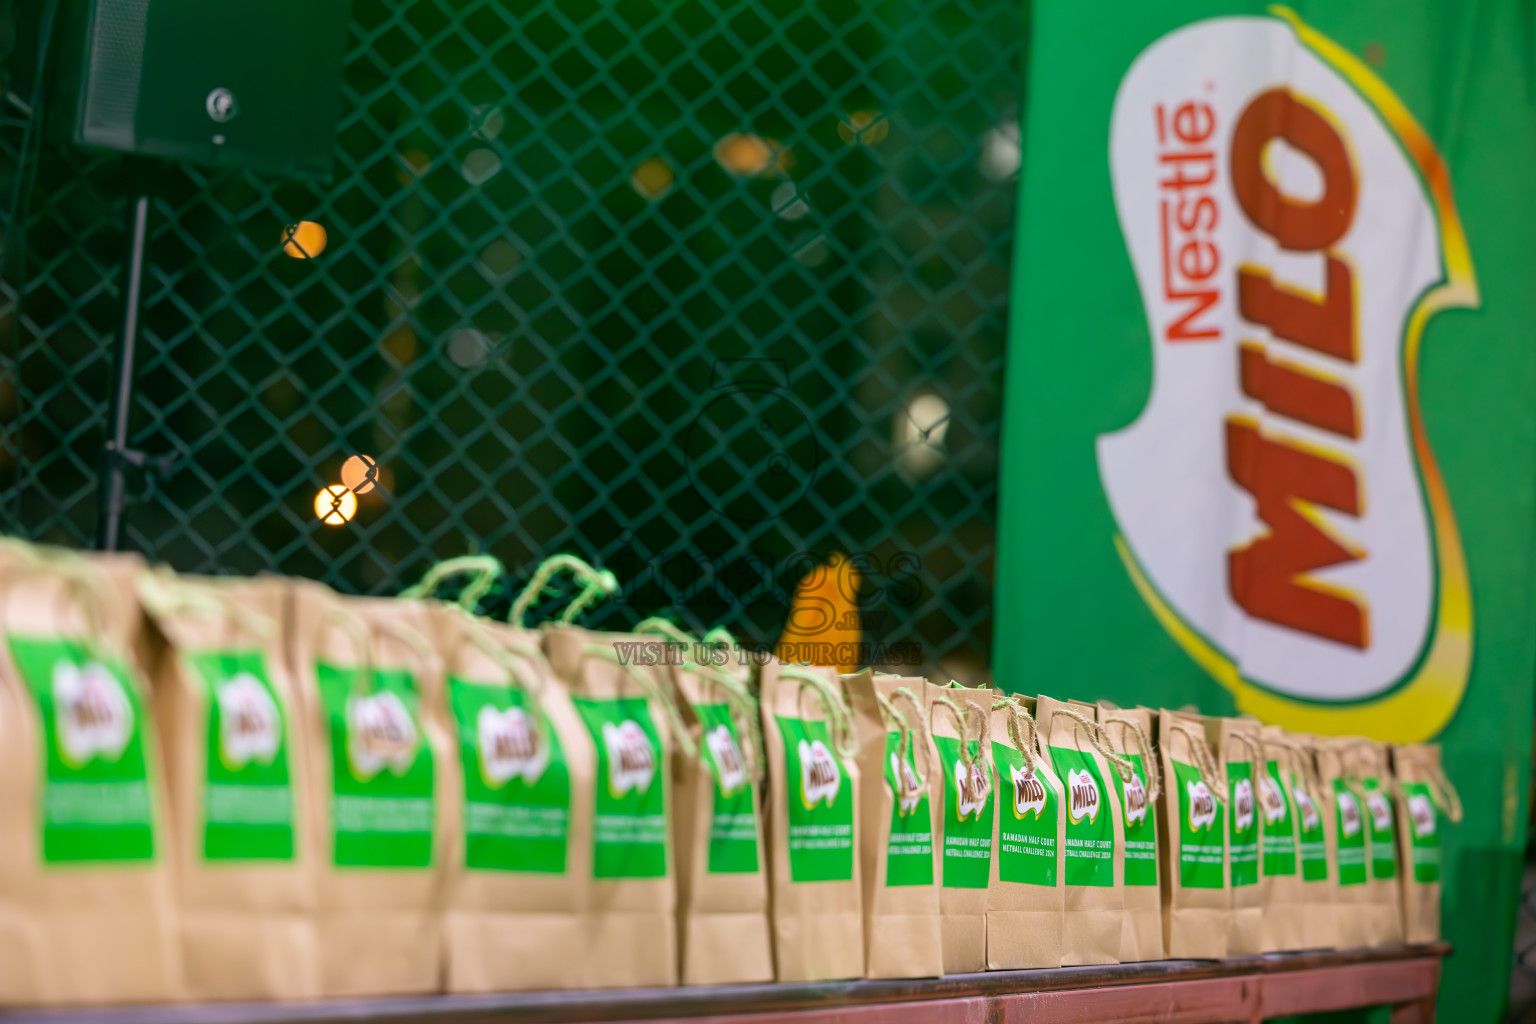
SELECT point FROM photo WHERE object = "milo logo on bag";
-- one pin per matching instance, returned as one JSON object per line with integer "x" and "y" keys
{"x": 819, "y": 817}
{"x": 1351, "y": 837}
{"x": 1423, "y": 833}
{"x": 1135, "y": 801}
{"x": 1202, "y": 835}
{"x": 1090, "y": 835}
{"x": 733, "y": 828}
{"x": 382, "y": 774}
{"x": 1082, "y": 796}
{"x": 909, "y": 852}
{"x": 820, "y": 777}
{"x": 510, "y": 746}
{"x": 247, "y": 795}
{"x": 1271, "y": 799}
{"x": 630, "y": 820}
{"x": 631, "y": 761}
{"x": 967, "y": 815}
{"x": 96, "y": 803}
{"x": 1027, "y": 833}
{"x": 1383, "y": 835}
{"x": 517, "y": 784}
{"x": 1028, "y": 793}
{"x": 1140, "y": 825}
{"x": 381, "y": 734}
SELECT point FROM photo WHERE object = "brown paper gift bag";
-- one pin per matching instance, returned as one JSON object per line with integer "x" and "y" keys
{"x": 898, "y": 858}
{"x": 1348, "y": 843}
{"x": 1366, "y": 767}
{"x": 1317, "y": 844}
{"x": 633, "y": 722}
{"x": 1092, "y": 862}
{"x": 384, "y": 784}
{"x": 813, "y": 813}
{"x": 1423, "y": 794}
{"x": 960, "y": 721}
{"x": 517, "y": 886}
{"x": 1193, "y": 839}
{"x": 87, "y": 910}
{"x": 1282, "y": 893}
{"x": 722, "y": 877}
{"x": 1236, "y": 746}
{"x": 230, "y": 722}
{"x": 1026, "y": 894}
{"x": 1128, "y": 732}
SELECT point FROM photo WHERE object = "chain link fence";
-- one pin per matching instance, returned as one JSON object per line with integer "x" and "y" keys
{"x": 703, "y": 290}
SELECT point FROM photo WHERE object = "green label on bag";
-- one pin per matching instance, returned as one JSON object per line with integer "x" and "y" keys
{"x": 247, "y": 794}
{"x": 1140, "y": 825}
{"x": 517, "y": 785}
{"x": 1277, "y": 822}
{"x": 1379, "y": 818}
{"x": 96, "y": 799}
{"x": 968, "y": 807}
{"x": 1423, "y": 832}
{"x": 1351, "y": 834}
{"x": 629, "y": 828}
{"x": 382, "y": 774}
{"x": 1202, "y": 832}
{"x": 1309, "y": 826}
{"x": 820, "y": 812}
{"x": 1090, "y": 838}
{"x": 1243, "y": 839}
{"x": 1026, "y": 809}
{"x": 909, "y": 854}
{"x": 733, "y": 823}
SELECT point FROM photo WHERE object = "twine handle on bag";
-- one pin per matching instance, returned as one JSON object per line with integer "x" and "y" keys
{"x": 484, "y": 570}
{"x": 595, "y": 583}
{"x": 839, "y": 717}
{"x": 1205, "y": 761}
{"x": 81, "y": 584}
{"x": 162, "y": 594}
{"x": 743, "y": 706}
{"x": 1448, "y": 798}
{"x": 963, "y": 728}
{"x": 654, "y": 691}
{"x": 1149, "y": 764}
{"x": 1255, "y": 751}
{"x": 1095, "y": 739}
{"x": 1304, "y": 769}
{"x": 919, "y": 730}
{"x": 502, "y": 653}
{"x": 894, "y": 719}
{"x": 1017, "y": 714}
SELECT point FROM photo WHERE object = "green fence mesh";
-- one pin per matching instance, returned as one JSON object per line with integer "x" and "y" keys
{"x": 704, "y": 290}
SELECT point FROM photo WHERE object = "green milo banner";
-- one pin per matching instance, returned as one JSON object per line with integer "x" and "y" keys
{"x": 1270, "y": 445}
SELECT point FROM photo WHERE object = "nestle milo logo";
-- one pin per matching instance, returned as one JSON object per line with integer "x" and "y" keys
{"x": 1082, "y": 796}
{"x": 1201, "y": 803}
{"x": 380, "y": 734}
{"x": 1135, "y": 801}
{"x": 972, "y": 788}
{"x": 631, "y": 761}
{"x": 1349, "y": 812}
{"x": 250, "y": 726}
{"x": 909, "y": 788}
{"x": 820, "y": 777}
{"x": 1381, "y": 810}
{"x": 1421, "y": 815}
{"x": 510, "y": 745}
{"x": 1307, "y": 807}
{"x": 94, "y": 718}
{"x": 1028, "y": 793}
{"x": 1242, "y": 805}
{"x": 1272, "y": 800}
{"x": 730, "y": 766}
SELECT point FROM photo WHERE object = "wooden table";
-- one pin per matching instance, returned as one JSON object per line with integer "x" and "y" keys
{"x": 1166, "y": 991}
